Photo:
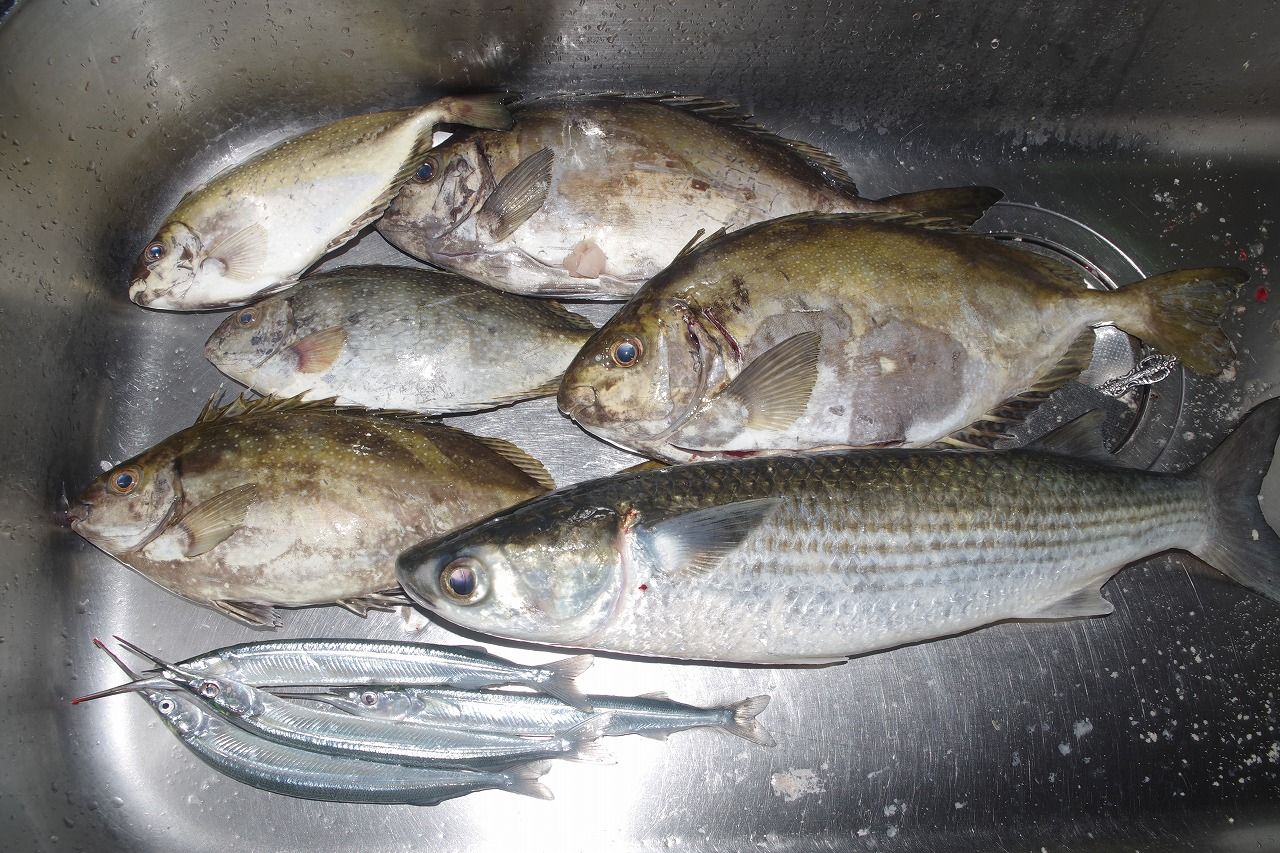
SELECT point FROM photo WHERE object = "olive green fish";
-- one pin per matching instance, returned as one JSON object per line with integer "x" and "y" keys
{"x": 273, "y": 502}
{"x": 393, "y": 337}
{"x": 255, "y": 228}
{"x": 863, "y": 330}
{"x": 814, "y": 557}
{"x": 588, "y": 196}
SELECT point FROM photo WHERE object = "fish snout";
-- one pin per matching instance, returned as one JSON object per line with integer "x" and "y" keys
{"x": 574, "y": 399}
{"x": 77, "y": 513}
{"x": 138, "y": 292}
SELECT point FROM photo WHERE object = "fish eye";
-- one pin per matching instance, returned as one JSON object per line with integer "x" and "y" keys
{"x": 125, "y": 480}
{"x": 166, "y": 706}
{"x": 460, "y": 579}
{"x": 626, "y": 352}
{"x": 154, "y": 252}
{"x": 210, "y": 689}
{"x": 248, "y": 318}
{"x": 369, "y": 699}
{"x": 427, "y": 170}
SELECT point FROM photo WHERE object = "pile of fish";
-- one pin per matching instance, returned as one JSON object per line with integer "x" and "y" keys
{"x": 820, "y": 379}
{"x": 414, "y": 723}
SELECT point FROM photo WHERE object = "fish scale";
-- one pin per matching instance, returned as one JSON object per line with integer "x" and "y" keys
{"x": 812, "y": 558}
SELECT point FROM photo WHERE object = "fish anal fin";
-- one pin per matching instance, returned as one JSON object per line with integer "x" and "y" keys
{"x": 1081, "y": 603}
{"x": 1080, "y": 438}
{"x": 983, "y": 433}
{"x": 695, "y": 542}
{"x": 242, "y": 254}
{"x": 250, "y": 613}
{"x": 519, "y": 195}
{"x": 212, "y": 522}
{"x": 318, "y": 351}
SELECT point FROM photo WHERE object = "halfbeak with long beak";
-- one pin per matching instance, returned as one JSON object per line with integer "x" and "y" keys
{"x": 157, "y": 682}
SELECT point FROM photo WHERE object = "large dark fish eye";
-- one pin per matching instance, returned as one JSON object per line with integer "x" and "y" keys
{"x": 459, "y": 579}
{"x": 210, "y": 689}
{"x": 427, "y": 170}
{"x": 125, "y": 480}
{"x": 154, "y": 252}
{"x": 248, "y": 318}
{"x": 166, "y": 706}
{"x": 626, "y": 352}
{"x": 369, "y": 699}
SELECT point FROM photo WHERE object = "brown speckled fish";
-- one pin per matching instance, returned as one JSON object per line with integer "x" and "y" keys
{"x": 860, "y": 330}
{"x": 586, "y": 197}
{"x": 283, "y": 503}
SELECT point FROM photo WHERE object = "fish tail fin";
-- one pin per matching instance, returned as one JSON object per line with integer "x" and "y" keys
{"x": 744, "y": 723}
{"x": 525, "y": 780}
{"x": 1178, "y": 312}
{"x": 486, "y": 111}
{"x": 584, "y": 740}
{"x": 1240, "y": 543}
{"x": 562, "y": 683}
{"x": 963, "y": 204}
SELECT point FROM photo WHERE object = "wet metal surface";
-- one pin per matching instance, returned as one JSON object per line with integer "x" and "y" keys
{"x": 1132, "y": 139}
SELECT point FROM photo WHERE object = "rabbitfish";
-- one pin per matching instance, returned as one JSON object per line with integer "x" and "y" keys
{"x": 400, "y": 338}
{"x": 285, "y": 503}
{"x": 256, "y": 227}
{"x": 863, "y": 330}
{"x": 810, "y": 558}
{"x": 587, "y": 197}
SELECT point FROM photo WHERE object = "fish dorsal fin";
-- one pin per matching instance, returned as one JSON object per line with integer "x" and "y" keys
{"x": 1080, "y": 438}
{"x": 728, "y": 114}
{"x": 775, "y": 388}
{"x": 1079, "y": 604}
{"x": 245, "y": 407}
{"x": 211, "y": 523}
{"x": 696, "y": 242}
{"x": 572, "y": 319}
{"x": 695, "y": 542}
{"x": 519, "y": 195}
{"x": 646, "y": 465}
{"x": 983, "y": 433}
{"x": 242, "y": 254}
{"x": 318, "y": 351}
{"x": 518, "y": 458}
{"x": 656, "y": 695}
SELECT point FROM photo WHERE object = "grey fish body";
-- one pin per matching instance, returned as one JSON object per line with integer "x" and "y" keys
{"x": 814, "y": 558}
{"x": 399, "y": 338}
{"x": 531, "y": 714}
{"x": 341, "y": 663}
{"x": 605, "y": 190}
{"x": 264, "y": 764}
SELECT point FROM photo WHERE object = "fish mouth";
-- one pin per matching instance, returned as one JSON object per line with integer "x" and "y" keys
{"x": 74, "y": 515}
{"x": 139, "y": 294}
{"x": 573, "y": 400}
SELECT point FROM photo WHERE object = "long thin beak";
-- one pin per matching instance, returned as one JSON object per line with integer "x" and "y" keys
{"x": 138, "y": 683}
{"x": 162, "y": 664}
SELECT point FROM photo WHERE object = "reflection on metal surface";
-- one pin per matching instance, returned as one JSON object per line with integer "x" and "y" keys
{"x": 1154, "y": 728}
{"x": 1152, "y": 369}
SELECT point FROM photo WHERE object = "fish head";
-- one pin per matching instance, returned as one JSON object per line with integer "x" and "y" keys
{"x": 168, "y": 268}
{"x": 234, "y": 697}
{"x": 180, "y": 713}
{"x": 131, "y": 504}
{"x": 252, "y": 344}
{"x": 448, "y": 187}
{"x": 383, "y": 704}
{"x": 639, "y": 375}
{"x": 546, "y": 572}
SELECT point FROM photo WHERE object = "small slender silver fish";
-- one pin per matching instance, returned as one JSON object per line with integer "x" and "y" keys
{"x": 393, "y": 337}
{"x": 275, "y": 664}
{"x": 264, "y": 764}
{"x": 337, "y": 733}
{"x": 812, "y": 558}
{"x": 652, "y": 715}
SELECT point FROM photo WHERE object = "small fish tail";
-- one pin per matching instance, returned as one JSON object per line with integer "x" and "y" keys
{"x": 744, "y": 723}
{"x": 562, "y": 683}
{"x": 963, "y": 204}
{"x": 525, "y": 780}
{"x": 1179, "y": 313}
{"x": 1240, "y": 543}
{"x": 584, "y": 740}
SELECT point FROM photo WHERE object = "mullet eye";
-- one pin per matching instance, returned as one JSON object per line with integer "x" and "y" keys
{"x": 460, "y": 579}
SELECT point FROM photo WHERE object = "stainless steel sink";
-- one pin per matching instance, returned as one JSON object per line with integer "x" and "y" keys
{"x": 1131, "y": 137}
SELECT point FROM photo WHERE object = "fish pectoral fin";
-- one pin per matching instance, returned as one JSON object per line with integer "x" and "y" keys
{"x": 388, "y": 599}
{"x": 209, "y": 524}
{"x": 695, "y": 542}
{"x": 517, "y": 196}
{"x": 317, "y": 352}
{"x": 249, "y": 612}
{"x": 242, "y": 254}
{"x": 1081, "y": 603}
{"x": 994, "y": 426}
